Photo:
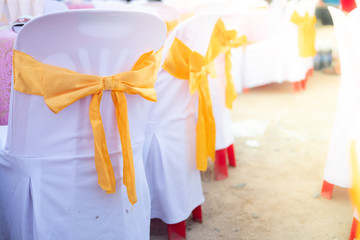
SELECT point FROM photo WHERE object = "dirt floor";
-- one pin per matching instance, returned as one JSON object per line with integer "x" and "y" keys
{"x": 274, "y": 192}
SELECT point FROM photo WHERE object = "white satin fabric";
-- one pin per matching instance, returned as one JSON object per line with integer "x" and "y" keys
{"x": 222, "y": 115}
{"x": 12, "y": 9}
{"x": 54, "y": 6}
{"x": 276, "y": 58}
{"x": 347, "y": 117}
{"x": 169, "y": 151}
{"x": 48, "y": 182}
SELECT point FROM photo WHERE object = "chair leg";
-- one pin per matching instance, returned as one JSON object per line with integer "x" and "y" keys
{"x": 220, "y": 166}
{"x": 231, "y": 155}
{"x": 310, "y": 72}
{"x": 303, "y": 83}
{"x": 353, "y": 229}
{"x": 177, "y": 231}
{"x": 327, "y": 190}
{"x": 197, "y": 214}
{"x": 297, "y": 86}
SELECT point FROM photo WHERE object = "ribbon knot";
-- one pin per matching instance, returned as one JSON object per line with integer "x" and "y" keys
{"x": 199, "y": 70}
{"x": 62, "y": 87}
{"x": 108, "y": 83}
{"x": 222, "y": 41}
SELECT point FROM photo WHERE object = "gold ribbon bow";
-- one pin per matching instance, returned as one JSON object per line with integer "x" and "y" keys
{"x": 222, "y": 41}
{"x": 62, "y": 87}
{"x": 170, "y": 25}
{"x": 183, "y": 63}
{"x": 306, "y": 25}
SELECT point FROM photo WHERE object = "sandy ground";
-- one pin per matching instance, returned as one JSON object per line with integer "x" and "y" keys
{"x": 274, "y": 192}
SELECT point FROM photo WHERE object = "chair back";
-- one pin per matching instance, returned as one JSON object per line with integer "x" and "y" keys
{"x": 54, "y": 6}
{"x": 195, "y": 33}
{"x": 96, "y": 42}
{"x": 167, "y": 12}
{"x": 296, "y": 66}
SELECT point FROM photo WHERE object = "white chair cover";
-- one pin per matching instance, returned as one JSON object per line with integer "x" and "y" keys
{"x": 233, "y": 20}
{"x": 54, "y": 6}
{"x": 259, "y": 67}
{"x": 337, "y": 169}
{"x": 25, "y": 7}
{"x": 167, "y": 12}
{"x": 222, "y": 115}
{"x": 48, "y": 182}
{"x": 296, "y": 67}
{"x": 12, "y": 11}
{"x": 38, "y": 7}
{"x": 276, "y": 59}
{"x": 276, "y": 14}
{"x": 109, "y": 4}
{"x": 169, "y": 150}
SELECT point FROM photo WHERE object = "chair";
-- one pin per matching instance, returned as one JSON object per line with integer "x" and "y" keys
{"x": 11, "y": 10}
{"x": 282, "y": 44}
{"x": 337, "y": 168}
{"x": 49, "y": 181}
{"x": 299, "y": 43}
{"x": 37, "y": 7}
{"x": 170, "y": 14}
{"x": 228, "y": 68}
{"x": 256, "y": 68}
{"x": 54, "y": 6}
{"x": 170, "y": 141}
{"x": 110, "y": 4}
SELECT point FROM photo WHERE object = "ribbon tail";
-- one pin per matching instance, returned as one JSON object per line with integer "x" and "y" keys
{"x": 106, "y": 177}
{"x": 201, "y": 153}
{"x": 205, "y": 128}
{"x": 120, "y": 102}
{"x": 230, "y": 91}
{"x": 210, "y": 128}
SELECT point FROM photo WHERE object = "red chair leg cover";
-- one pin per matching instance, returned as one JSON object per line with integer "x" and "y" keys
{"x": 303, "y": 83}
{"x": 220, "y": 166}
{"x": 327, "y": 190}
{"x": 245, "y": 90}
{"x": 353, "y": 229}
{"x": 231, "y": 155}
{"x": 310, "y": 72}
{"x": 296, "y": 86}
{"x": 197, "y": 214}
{"x": 177, "y": 231}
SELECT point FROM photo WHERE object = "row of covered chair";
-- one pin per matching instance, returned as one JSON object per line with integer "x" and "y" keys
{"x": 69, "y": 141}
{"x": 281, "y": 43}
{"x": 56, "y": 169}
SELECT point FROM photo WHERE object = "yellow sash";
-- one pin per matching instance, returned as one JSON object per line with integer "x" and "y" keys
{"x": 222, "y": 41}
{"x": 170, "y": 25}
{"x": 306, "y": 25}
{"x": 183, "y": 63}
{"x": 62, "y": 87}
{"x": 355, "y": 189}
